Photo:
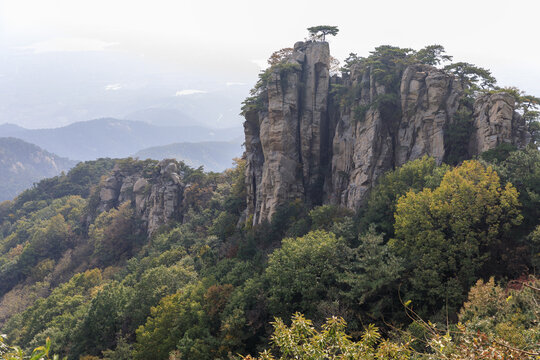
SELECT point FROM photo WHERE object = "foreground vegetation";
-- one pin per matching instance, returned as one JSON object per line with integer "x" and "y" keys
{"x": 411, "y": 263}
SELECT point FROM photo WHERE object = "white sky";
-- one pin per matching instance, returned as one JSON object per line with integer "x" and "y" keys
{"x": 225, "y": 36}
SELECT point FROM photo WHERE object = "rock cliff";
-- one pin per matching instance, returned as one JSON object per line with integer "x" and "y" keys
{"x": 496, "y": 122}
{"x": 286, "y": 141}
{"x": 156, "y": 195}
{"x": 304, "y": 142}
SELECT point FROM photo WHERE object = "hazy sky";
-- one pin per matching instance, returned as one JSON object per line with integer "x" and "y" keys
{"x": 191, "y": 48}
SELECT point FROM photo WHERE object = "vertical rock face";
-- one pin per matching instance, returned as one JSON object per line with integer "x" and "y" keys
{"x": 496, "y": 122}
{"x": 429, "y": 100}
{"x": 156, "y": 199}
{"x": 284, "y": 140}
{"x": 313, "y": 134}
{"x": 365, "y": 148}
{"x": 302, "y": 143}
{"x": 361, "y": 144}
{"x": 362, "y": 152}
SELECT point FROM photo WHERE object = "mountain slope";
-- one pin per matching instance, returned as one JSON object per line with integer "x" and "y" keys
{"x": 212, "y": 155}
{"x": 114, "y": 138}
{"x": 22, "y": 164}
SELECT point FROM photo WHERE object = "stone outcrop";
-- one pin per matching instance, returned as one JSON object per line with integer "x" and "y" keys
{"x": 303, "y": 143}
{"x": 429, "y": 100}
{"x": 496, "y": 122}
{"x": 156, "y": 197}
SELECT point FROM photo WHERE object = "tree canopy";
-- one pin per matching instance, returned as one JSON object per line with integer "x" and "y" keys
{"x": 445, "y": 232}
{"x": 319, "y": 32}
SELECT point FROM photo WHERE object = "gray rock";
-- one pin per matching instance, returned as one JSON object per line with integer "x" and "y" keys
{"x": 496, "y": 122}
{"x": 303, "y": 145}
{"x": 156, "y": 201}
{"x": 140, "y": 186}
{"x": 283, "y": 141}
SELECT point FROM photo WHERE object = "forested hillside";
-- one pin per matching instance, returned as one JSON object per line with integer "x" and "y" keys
{"x": 206, "y": 288}
{"x": 128, "y": 259}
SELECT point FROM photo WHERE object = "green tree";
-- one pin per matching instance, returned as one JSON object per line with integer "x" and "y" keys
{"x": 113, "y": 234}
{"x": 302, "y": 340}
{"x": 326, "y": 216}
{"x": 534, "y": 246}
{"x": 320, "y": 32}
{"x": 47, "y": 242}
{"x": 103, "y": 321}
{"x": 179, "y": 322}
{"x": 55, "y": 316}
{"x": 432, "y": 55}
{"x": 123, "y": 351}
{"x": 522, "y": 169}
{"x": 153, "y": 285}
{"x": 372, "y": 278}
{"x": 472, "y": 76}
{"x": 387, "y": 63}
{"x": 304, "y": 273}
{"x": 445, "y": 235}
{"x": 412, "y": 176}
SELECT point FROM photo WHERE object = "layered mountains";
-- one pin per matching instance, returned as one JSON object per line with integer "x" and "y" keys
{"x": 212, "y": 155}
{"x": 29, "y": 155}
{"x": 114, "y": 138}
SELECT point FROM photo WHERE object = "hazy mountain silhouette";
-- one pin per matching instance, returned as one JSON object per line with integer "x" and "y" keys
{"x": 212, "y": 155}
{"x": 163, "y": 117}
{"x": 109, "y": 137}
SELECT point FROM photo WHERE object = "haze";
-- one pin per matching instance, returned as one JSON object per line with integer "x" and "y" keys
{"x": 64, "y": 61}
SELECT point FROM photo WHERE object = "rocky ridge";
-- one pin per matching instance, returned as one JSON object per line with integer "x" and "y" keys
{"x": 156, "y": 197}
{"x": 301, "y": 143}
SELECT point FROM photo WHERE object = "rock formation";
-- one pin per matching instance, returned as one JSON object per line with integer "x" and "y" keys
{"x": 496, "y": 122}
{"x": 285, "y": 141}
{"x": 155, "y": 197}
{"x": 387, "y": 138}
{"x": 302, "y": 143}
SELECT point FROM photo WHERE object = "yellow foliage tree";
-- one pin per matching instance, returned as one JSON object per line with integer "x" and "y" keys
{"x": 446, "y": 234}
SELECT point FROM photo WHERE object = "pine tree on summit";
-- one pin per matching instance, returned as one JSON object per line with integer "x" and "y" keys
{"x": 320, "y": 32}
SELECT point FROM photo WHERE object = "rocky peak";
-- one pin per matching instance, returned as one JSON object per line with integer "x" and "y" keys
{"x": 303, "y": 142}
{"x": 155, "y": 192}
{"x": 287, "y": 139}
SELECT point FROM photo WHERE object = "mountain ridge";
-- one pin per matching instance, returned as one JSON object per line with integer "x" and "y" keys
{"x": 214, "y": 156}
{"x": 110, "y": 137}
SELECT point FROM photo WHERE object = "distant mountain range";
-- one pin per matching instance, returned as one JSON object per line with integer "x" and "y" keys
{"x": 212, "y": 155}
{"x": 163, "y": 117}
{"x": 109, "y": 137}
{"x": 22, "y": 164}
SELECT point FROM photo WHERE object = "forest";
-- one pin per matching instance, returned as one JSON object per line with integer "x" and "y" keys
{"x": 440, "y": 263}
